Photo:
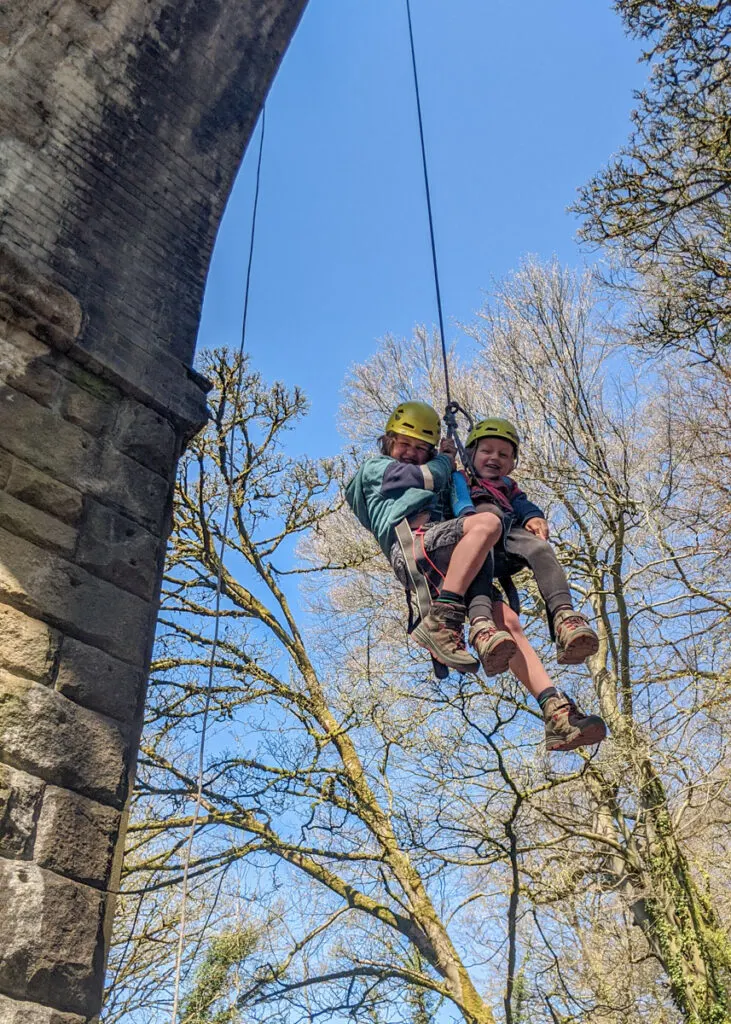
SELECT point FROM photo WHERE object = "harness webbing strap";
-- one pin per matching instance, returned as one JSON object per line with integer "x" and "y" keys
{"x": 419, "y": 589}
{"x": 419, "y": 585}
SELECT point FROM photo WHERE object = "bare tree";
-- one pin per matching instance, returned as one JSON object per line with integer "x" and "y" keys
{"x": 314, "y": 799}
{"x": 635, "y": 840}
{"x": 603, "y": 451}
{"x": 663, "y": 204}
{"x": 397, "y": 844}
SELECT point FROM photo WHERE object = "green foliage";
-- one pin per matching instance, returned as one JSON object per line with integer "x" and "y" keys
{"x": 213, "y": 981}
{"x": 520, "y": 998}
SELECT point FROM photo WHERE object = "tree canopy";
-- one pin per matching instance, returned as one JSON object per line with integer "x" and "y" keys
{"x": 377, "y": 846}
{"x": 663, "y": 203}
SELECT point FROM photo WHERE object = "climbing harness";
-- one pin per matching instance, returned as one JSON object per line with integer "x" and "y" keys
{"x": 420, "y": 584}
{"x": 219, "y": 587}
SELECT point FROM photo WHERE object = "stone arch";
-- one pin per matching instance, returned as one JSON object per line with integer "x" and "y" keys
{"x": 123, "y": 124}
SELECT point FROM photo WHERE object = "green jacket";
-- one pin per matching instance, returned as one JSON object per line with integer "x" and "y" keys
{"x": 384, "y": 491}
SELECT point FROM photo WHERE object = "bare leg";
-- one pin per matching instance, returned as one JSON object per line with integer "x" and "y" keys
{"x": 566, "y": 727}
{"x": 481, "y": 533}
{"x": 525, "y": 663}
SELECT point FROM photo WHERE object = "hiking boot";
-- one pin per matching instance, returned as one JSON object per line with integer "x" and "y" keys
{"x": 568, "y": 728}
{"x": 575, "y": 639}
{"x": 442, "y": 633}
{"x": 494, "y": 646}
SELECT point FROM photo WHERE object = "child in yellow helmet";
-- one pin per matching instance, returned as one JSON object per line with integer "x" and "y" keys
{"x": 493, "y": 448}
{"x": 411, "y": 480}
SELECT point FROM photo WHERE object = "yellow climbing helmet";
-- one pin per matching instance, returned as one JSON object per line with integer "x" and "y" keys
{"x": 494, "y": 427}
{"x": 415, "y": 419}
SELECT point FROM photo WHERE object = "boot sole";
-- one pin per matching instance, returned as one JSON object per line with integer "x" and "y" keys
{"x": 497, "y": 660}
{"x": 591, "y": 736}
{"x": 464, "y": 664}
{"x": 583, "y": 647}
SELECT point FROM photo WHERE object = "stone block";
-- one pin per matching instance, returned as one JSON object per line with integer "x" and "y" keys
{"x": 27, "y": 364}
{"x": 85, "y": 409}
{"x": 20, "y": 801}
{"x": 39, "y": 527}
{"x": 50, "y": 949}
{"x": 38, "y": 380}
{"x": 132, "y": 488}
{"x": 6, "y": 464}
{"x": 146, "y": 436}
{"x": 76, "y": 836}
{"x": 99, "y": 682}
{"x": 90, "y": 382}
{"x": 13, "y": 1012}
{"x": 27, "y": 348}
{"x": 40, "y": 490}
{"x": 119, "y": 550}
{"x": 47, "y": 586}
{"x": 27, "y": 647}
{"x": 40, "y": 436}
{"x": 43, "y": 733}
{"x": 49, "y": 312}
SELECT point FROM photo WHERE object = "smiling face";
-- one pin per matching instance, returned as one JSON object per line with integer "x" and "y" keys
{"x": 493, "y": 457}
{"x": 411, "y": 450}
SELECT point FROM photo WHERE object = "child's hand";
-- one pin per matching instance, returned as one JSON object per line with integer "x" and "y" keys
{"x": 538, "y": 526}
{"x": 449, "y": 448}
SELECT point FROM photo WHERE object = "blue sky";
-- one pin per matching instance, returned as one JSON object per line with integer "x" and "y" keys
{"x": 522, "y": 103}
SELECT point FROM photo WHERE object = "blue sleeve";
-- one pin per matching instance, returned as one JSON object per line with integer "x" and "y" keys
{"x": 460, "y": 496}
{"x": 523, "y": 508}
{"x": 435, "y": 475}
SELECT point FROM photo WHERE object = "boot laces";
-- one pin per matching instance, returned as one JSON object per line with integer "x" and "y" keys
{"x": 488, "y": 628}
{"x": 452, "y": 619}
{"x": 459, "y": 637}
{"x": 573, "y": 708}
{"x": 573, "y": 621}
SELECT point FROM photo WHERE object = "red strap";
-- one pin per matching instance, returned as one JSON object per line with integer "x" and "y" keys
{"x": 419, "y": 532}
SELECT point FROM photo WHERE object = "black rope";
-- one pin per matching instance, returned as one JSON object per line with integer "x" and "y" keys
{"x": 219, "y": 588}
{"x": 428, "y": 205}
{"x": 251, "y": 249}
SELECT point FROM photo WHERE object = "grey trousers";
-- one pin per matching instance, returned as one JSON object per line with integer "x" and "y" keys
{"x": 538, "y": 555}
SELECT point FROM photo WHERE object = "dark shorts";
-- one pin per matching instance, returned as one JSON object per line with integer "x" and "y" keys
{"x": 433, "y": 547}
{"x": 435, "y": 542}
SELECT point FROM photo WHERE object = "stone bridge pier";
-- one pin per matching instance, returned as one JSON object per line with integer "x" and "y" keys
{"x": 122, "y": 124}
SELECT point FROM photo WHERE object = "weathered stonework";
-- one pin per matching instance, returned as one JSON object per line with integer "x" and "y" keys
{"x": 122, "y": 124}
{"x": 20, "y": 803}
{"x": 13, "y": 1012}
{"x": 76, "y": 836}
{"x": 50, "y": 942}
{"x": 28, "y": 647}
{"x": 45, "y": 733}
{"x": 95, "y": 680}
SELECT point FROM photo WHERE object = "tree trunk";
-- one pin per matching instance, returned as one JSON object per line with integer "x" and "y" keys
{"x": 677, "y": 920}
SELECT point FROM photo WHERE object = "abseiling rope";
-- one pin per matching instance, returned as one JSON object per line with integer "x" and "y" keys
{"x": 452, "y": 408}
{"x": 236, "y": 407}
{"x": 219, "y": 586}
{"x": 428, "y": 206}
